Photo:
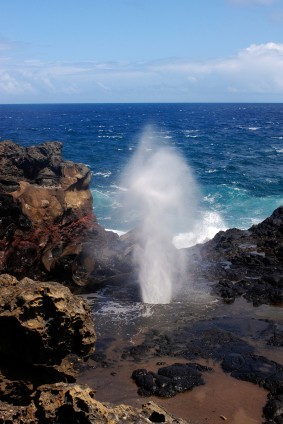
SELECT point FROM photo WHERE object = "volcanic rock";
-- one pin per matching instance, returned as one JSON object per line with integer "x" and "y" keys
{"x": 71, "y": 403}
{"x": 47, "y": 226}
{"x": 170, "y": 380}
{"x": 246, "y": 263}
{"x": 44, "y": 330}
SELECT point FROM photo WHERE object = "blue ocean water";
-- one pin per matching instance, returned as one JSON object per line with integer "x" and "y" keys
{"x": 235, "y": 152}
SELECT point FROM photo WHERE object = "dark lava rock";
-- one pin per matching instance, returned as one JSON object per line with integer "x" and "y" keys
{"x": 273, "y": 410}
{"x": 276, "y": 339}
{"x": 170, "y": 380}
{"x": 246, "y": 263}
{"x": 219, "y": 340}
{"x": 256, "y": 369}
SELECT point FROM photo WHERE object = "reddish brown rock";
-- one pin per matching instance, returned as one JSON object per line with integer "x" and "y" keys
{"x": 47, "y": 226}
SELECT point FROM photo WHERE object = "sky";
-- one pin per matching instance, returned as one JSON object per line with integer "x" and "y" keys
{"x": 109, "y": 51}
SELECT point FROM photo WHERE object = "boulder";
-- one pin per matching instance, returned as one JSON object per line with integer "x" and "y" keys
{"x": 169, "y": 380}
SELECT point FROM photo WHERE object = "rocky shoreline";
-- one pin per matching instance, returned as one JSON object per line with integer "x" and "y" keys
{"x": 48, "y": 232}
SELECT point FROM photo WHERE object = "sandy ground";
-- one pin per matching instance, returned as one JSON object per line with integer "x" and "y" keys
{"x": 221, "y": 399}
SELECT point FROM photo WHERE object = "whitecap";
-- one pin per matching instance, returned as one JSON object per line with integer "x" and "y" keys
{"x": 103, "y": 174}
{"x": 209, "y": 224}
{"x": 119, "y": 232}
{"x": 211, "y": 171}
{"x": 119, "y": 187}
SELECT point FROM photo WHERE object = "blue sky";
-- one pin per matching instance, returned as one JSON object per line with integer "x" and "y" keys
{"x": 141, "y": 51}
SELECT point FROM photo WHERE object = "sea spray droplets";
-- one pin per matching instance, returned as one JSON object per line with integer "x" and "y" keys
{"x": 162, "y": 192}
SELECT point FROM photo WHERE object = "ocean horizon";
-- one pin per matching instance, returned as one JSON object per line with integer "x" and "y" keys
{"x": 233, "y": 150}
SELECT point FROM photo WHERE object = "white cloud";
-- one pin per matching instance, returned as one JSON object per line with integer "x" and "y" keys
{"x": 267, "y": 49}
{"x": 255, "y": 72}
{"x": 11, "y": 84}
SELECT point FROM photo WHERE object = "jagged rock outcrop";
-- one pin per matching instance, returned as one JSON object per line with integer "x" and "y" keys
{"x": 47, "y": 226}
{"x": 62, "y": 404}
{"x": 246, "y": 263}
{"x": 44, "y": 331}
{"x": 46, "y": 319}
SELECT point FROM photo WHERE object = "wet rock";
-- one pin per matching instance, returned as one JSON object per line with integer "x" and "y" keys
{"x": 170, "y": 380}
{"x": 256, "y": 369}
{"x": 244, "y": 263}
{"x": 216, "y": 340}
{"x": 273, "y": 410}
{"x": 276, "y": 339}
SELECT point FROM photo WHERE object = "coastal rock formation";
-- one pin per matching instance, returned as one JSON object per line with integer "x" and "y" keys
{"x": 47, "y": 226}
{"x": 47, "y": 322}
{"x": 246, "y": 263}
{"x": 64, "y": 404}
{"x": 44, "y": 331}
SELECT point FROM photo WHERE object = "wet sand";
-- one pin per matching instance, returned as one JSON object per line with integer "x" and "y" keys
{"x": 221, "y": 399}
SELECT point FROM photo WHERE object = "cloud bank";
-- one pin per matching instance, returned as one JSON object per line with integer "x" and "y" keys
{"x": 253, "y": 74}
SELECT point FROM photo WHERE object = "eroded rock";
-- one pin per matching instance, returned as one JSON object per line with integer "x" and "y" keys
{"x": 47, "y": 226}
{"x": 72, "y": 403}
{"x": 46, "y": 320}
{"x": 44, "y": 331}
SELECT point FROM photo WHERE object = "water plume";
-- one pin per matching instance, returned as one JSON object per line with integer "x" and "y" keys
{"x": 162, "y": 193}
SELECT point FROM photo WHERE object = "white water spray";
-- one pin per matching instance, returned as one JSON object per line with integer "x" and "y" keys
{"x": 162, "y": 190}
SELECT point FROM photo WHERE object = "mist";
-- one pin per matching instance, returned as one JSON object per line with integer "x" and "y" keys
{"x": 162, "y": 195}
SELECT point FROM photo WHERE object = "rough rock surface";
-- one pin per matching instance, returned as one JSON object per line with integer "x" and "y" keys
{"x": 47, "y": 322}
{"x": 246, "y": 263}
{"x": 47, "y": 226}
{"x": 71, "y": 403}
{"x": 170, "y": 380}
{"x": 44, "y": 330}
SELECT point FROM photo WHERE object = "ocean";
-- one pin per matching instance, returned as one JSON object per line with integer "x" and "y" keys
{"x": 234, "y": 151}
